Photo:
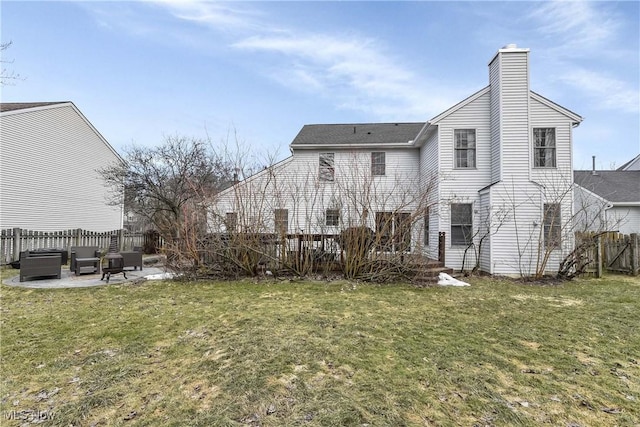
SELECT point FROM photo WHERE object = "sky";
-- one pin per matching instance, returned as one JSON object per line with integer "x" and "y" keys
{"x": 256, "y": 72}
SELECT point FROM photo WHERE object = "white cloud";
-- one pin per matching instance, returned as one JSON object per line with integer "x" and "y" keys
{"x": 575, "y": 25}
{"x": 607, "y": 92}
{"x": 216, "y": 15}
{"x": 355, "y": 72}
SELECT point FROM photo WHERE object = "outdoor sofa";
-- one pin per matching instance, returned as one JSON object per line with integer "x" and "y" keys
{"x": 40, "y": 265}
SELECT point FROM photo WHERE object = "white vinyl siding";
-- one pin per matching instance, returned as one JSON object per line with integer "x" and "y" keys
{"x": 514, "y": 115}
{"x": 48, "y": 178}
{"x": 293, "y": 184}
{"x": 429, "y": 180}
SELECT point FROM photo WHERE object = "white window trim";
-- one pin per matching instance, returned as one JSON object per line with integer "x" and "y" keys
{"x": 385, "y": 163}
{"x": 453, "y": 136}
{"x": 460, "y": 245}
{"x": 533, "y": 147}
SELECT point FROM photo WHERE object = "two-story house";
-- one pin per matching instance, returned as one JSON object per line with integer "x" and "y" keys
{"x": 490, "y": 179}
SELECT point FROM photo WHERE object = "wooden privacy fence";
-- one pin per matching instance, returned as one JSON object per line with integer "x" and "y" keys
{"x": 15, "y": 240}
{"x": 611, "y": 251}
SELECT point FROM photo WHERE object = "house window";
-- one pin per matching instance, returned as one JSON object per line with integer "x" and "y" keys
{"x": 426, "y": 228}
{"x": 552, "y": 225}
{"x": 231, "y": 221}
{"x": 461, "y": 224}
{"x": 326, "y": 168}
{"x": 332, "y": 217}
{"x": 281, "y": 220}
{"x": 393, "y": 231}
{"x": 544, "y": 147}
{"x": 378, "y": 163}
{"x": 465, "y": 148}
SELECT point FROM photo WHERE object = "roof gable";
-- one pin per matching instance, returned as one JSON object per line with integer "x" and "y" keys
{"x": 459, "y": 105}
{"x": 560, "y": 109}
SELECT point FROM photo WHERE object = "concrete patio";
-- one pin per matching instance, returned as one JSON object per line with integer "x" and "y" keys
{"x": 70, "y": 280}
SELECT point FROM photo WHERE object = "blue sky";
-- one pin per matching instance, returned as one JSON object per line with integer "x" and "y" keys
{"x": 262, "y": 70}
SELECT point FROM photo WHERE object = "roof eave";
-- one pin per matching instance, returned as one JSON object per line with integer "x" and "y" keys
{"x": 332, "y": 146}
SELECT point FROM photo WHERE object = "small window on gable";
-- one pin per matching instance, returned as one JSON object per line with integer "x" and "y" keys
{"x": 332, "y": 217}
{"x": 544, "y": 147}
{"x": 552, "y": 225}
{"x": 378, "y": 159}
{"x": 461, "y": 224}
{"x": 465, "y": 148}
{"x": 326, "y": 167}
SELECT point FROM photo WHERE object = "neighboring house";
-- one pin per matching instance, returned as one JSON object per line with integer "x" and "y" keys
{"x": 49, "y": 154}
{"x": 631, "y": 165}
{"x": 493, "y": 173}
{"x": 608, "y": 200}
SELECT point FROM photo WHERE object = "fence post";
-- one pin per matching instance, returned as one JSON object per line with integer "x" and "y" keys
{"x": 599, "y": 256}
{"x": 121, "y": 239}
{"x": 441, "y": 246}
{"x": 78, "y": 237}
{"x": 17, "y": 240}
{"x": 635, "y": 255}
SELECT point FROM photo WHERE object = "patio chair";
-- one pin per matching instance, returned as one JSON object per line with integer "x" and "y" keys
{"x": 84, "y": 257}
{"x": 132, "y": 259}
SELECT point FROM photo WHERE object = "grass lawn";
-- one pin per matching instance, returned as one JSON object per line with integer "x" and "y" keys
{"x": 323, "y": 354}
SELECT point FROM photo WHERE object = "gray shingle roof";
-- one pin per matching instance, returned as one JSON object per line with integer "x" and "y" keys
{"x": 10, "y": 106}
{"x": 614, "y": 186}
{"x": 357, "y": 133}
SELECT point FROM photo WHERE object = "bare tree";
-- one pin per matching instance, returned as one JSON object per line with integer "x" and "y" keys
{"x": 168, "y": 185}
{"x": 294, "y": 217}
{"x": 7, "y": 76}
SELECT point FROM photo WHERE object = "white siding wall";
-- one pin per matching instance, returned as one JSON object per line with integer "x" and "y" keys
{"x": 626, "y": 217}
{"x": 496, "y": 129}
{"x": 294, "y": 185}
{"x": 514, "y": 113}
{"x": 592, "y": 213}
{"x": 48, "y": 172}
{"x": 462, "y": 185}
{"x": 484, "y": 212}
{"x": 430, "y": 181}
